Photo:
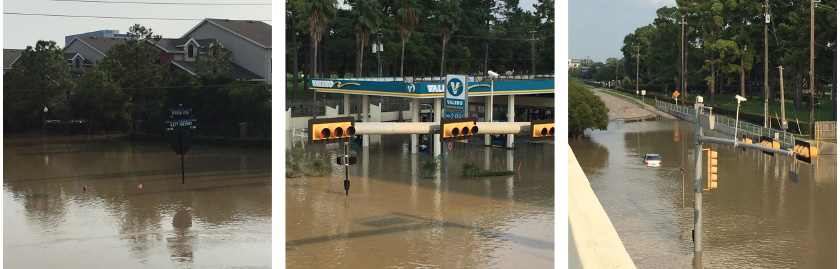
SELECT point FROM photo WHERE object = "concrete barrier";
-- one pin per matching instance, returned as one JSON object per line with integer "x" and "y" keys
{"x": 593, "y": 241}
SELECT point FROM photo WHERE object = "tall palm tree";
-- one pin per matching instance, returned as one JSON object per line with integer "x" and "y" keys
{"x": 368, "y": 17}
{"x": 406, "y": 20}
{"x": 320, "y": 11}
{"x": 450, "y": 15}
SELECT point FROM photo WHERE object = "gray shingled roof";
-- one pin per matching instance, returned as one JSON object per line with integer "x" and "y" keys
{"x": 239, "y": 72}
{"x": 170, "y": 44}
{"x": 9, "y": 57}
{"x": 257, "y": 31}
{"x": 175, "y": 45}
{"x": 102, "y": 44}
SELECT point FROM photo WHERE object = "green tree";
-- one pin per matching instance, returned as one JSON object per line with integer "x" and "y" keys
{"x": 368, "y": 17}
{"x": 626, "y": 83}
{"x": 320, "y": 12}
{"x": 252, "y": 103}
{"x": 586, "y": 111}
{"x": 406, "y": 20}
{"x": 214, "y": 60}
{"x": 450, "y": 15}
{"x": 134, "y": 66}
{"x": 37, "y": 80}
{"x": 545, "y": 44}
{"x": 99, "y": 100}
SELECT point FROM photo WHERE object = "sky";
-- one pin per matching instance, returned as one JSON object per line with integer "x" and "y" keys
{"x": 597, "y": 27}
{"x": 21, "y": 31}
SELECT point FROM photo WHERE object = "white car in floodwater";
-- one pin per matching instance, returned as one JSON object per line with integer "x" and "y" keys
{"x": 653, "y": 160}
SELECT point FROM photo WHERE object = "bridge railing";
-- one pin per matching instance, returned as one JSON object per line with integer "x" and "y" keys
{"x": 727, "y": 124}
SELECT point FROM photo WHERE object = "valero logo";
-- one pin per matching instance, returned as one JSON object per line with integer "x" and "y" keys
{"x": 455, "y": 87}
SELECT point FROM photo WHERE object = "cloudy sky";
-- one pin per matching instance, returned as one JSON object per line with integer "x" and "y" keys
{"x": 20, "y": 31}
{"x": 597, "y": 27}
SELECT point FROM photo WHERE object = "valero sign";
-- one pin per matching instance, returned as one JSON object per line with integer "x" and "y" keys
{"x": 455, "y": 96}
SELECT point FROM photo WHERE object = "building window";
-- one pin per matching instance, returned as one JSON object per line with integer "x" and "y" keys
{"x": 190, "y": 51}
{"x": 78, "y": 63}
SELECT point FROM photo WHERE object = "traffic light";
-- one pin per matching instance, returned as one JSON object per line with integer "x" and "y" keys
{"x": 457, "y": 129}
{"x": 768, "y": 142}
{"x": 542, "y": 128}
{"x": 804, "y": 151}
{"x": 331, "y": 130}
{"x": 713, "y": 169}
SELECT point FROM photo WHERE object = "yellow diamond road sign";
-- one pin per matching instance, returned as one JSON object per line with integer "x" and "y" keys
{"x": 676, "y": 94}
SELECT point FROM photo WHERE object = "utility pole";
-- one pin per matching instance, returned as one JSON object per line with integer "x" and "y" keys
{"x": 616, "y": 74}
{"x": 533, "y": 55}
{"x": 638, "y": 48}
{"x": 813, "y": 89}
{"x": 682, "y": 58}
{"x": 766, "y": 87}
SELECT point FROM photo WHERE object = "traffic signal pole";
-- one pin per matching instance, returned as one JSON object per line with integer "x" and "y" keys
{"x": 346, "y": 170}
{"x": 698, "y": 167}
{"x": 697, "y": 234}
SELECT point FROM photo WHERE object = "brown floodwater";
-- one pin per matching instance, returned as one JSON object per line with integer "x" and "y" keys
{"x": 397, "y": 217}
{"x": 756, "y": 218}
{"x": 221, "y": 217}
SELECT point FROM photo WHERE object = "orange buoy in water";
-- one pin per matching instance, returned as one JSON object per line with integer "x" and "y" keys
{"x": 85, "y": 188}
{"x": 140, "y": 186}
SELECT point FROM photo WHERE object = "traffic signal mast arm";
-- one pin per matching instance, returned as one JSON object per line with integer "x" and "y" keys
{"x": 746, "y": 145}
{"x": 375, "y": 128}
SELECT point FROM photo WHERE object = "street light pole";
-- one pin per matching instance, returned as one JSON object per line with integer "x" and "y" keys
{"x": 638, "y": 49}
{"x": 45, "y": 119}
{"x": 813, "y": 89}
{"x": 766, "y": 87}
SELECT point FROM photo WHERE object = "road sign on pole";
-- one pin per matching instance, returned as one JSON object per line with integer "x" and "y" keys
{"x": 181, "y": 123}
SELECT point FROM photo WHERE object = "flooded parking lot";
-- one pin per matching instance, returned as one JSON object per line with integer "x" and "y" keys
{"x": 394, "y": 216}
{"x": 78, "y": 201}
{"x": 756, "y": 218}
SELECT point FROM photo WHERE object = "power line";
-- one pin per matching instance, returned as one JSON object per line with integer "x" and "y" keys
{"x": 105, "y": 17}
{"x": 136, "y": 88}
{"x": 162, "y": 3}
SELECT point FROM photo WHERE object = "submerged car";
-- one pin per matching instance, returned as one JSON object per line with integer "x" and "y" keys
{"x": 653, "y": 160}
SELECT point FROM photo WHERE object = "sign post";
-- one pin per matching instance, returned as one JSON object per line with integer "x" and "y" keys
{"x": 181, "y": 124}
{"x": 676, "y": 94}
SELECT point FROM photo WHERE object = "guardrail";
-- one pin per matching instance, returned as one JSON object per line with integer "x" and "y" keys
{"x": 593, "y": 240}
{"x": 727, "y": 125}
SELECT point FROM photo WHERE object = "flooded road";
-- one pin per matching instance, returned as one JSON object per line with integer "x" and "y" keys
{"x": 221, "y": 217}
{"x": 397, "y": 217}
{"x": 756, "y": 218}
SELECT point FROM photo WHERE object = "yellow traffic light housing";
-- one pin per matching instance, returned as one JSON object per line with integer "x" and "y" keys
{"x": 768, "y": 142}
{"x": 457, "y": 129}
{"x": 331, "y": 130}
{"x": 542, "y": 128}
{"x": 804, "y": 151}
{"x": 713, "y": 169}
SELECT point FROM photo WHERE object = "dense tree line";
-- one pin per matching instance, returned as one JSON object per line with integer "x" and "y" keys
{"x": 586, "y": 111}
{"x": 724, "y": 48}
{"x": 419, "y": 37}
{"x": 128, "y": 84}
